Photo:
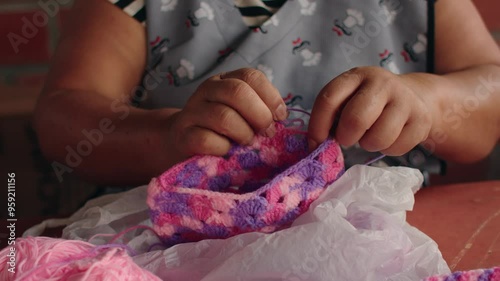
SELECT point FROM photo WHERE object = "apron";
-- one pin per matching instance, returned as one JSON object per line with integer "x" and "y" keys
{"x": 303, "y": 46}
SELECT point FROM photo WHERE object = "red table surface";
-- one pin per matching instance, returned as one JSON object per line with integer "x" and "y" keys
{"x": 464, "y": 220}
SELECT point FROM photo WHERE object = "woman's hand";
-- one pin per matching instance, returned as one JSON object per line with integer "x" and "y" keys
{"x": 229, "y": 106}
{"x": 370, "y": 105}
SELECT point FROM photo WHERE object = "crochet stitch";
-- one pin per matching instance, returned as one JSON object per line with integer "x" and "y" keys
{"x": 262, "y": 187}
{"x": 490, "y": 274}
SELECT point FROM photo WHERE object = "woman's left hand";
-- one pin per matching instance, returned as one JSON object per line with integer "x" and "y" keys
{"x": 370, "y": 105}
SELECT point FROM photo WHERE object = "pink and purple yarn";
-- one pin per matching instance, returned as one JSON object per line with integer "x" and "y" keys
{"x": 263, "y": 187}
{"x": 44, "y": 258}
{"x": 491, "y": 274}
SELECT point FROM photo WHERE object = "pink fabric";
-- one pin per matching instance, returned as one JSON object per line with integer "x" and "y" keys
{"x": 43, "y": 258}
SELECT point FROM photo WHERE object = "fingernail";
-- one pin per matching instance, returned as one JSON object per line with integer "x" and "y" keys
{"x": 281, "y": 112}
{"x": 269, "y": 131}
{"x": 312, "y": 144}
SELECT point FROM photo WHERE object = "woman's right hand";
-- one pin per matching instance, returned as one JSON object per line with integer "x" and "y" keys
{"x": 230, "y": 106}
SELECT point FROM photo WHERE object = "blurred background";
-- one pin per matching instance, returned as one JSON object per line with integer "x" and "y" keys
{"x": 39, "y": 193}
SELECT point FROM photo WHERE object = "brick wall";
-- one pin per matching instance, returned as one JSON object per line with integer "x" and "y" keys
{"x": 29, "y": 30}
{"x": 490, "y": 10}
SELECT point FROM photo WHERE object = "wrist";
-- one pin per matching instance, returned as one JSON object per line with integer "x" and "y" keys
{"x": 433, "y": 90}
{"x": 161, "y": 149}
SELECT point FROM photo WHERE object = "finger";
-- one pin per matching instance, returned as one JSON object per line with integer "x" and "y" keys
{"x": 384, "y": 132}
{"x": 226, "y": 122}
{"x": 264, "y": 89}
{"x": 361, "y": 112}
{"x": 411, "y": 135}
{"x": 241, "y": 97}
{"x": 202, "y": 141}
{"x": 328, "y": 104}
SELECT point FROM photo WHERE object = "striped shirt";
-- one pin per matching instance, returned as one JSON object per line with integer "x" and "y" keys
{"x": 254, "y": 12}
{"x": 134, "y": 8}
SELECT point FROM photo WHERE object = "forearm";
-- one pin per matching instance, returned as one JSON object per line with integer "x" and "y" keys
{"x": 466, "y": 117}
{"x": 103, "y": 140}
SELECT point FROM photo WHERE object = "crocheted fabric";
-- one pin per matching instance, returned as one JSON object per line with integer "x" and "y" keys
{"x": 262, "y": 187}
{"x": 491, "y": 274}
